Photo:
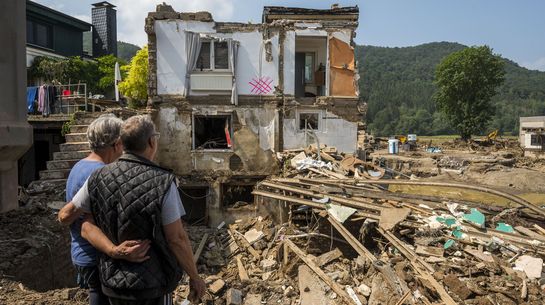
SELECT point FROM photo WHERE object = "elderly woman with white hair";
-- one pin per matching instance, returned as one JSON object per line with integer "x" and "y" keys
{"x": 103, "y": 135}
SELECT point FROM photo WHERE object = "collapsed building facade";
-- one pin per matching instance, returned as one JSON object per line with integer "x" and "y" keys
{"x": 228, "y": 96}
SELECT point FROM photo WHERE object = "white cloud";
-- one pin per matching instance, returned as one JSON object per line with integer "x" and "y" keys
{"x": 131, "y": 15}
{"x": 539, "y": 64}
{"x": 85, "y": 18}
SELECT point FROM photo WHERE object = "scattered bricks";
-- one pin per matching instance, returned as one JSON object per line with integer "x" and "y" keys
{"x": 216, "y": 286}
{"x": 457, "y": 287}
{"x": 233, "y": 297}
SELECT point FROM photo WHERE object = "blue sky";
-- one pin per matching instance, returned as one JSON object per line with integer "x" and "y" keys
{"x": 514, "y": 29}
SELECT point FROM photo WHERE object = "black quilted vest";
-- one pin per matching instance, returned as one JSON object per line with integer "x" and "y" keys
{"x": 126, "y": 201}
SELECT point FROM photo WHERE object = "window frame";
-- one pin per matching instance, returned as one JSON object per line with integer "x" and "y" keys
{"x": 213, "y": 58}
{"x": 537, "y": 139}
{"x": 316, "y": 112}
{"x": 50, "y": 41}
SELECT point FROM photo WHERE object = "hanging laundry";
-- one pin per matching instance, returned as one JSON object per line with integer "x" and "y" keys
{"x": 31, "y": 95}
{"x": 41, "y": 96}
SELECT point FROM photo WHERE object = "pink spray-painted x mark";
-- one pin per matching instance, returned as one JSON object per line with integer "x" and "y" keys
{"x": 261, "y": 85}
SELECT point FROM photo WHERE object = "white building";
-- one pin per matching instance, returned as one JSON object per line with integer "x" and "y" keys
{"x": 532, "y": 136}
{"x": 227, "y": 96}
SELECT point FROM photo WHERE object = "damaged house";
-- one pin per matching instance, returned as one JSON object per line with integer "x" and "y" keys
{"x": 227, "y": 96}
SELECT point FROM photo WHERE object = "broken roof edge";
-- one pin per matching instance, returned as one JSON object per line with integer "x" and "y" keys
{"x": 165, "y": 11}
{"x": 271, "y": 13}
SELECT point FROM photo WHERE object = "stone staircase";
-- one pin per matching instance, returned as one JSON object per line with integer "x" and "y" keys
{"x": 75, "y": 148}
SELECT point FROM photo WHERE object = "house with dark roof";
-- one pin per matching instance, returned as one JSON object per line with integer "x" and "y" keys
{"x": 52, "y": 33}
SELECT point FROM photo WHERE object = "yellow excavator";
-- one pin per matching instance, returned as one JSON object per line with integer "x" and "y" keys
{"x": 491, "y": 137}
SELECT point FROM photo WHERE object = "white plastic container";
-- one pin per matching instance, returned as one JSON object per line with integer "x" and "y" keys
{"x": 411, "y": 137}
{"x": 393, "y": 146}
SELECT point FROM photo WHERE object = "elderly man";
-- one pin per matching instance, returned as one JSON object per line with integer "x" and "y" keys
{"x": 103, "y": 135}
{"x": 135, "y": 199}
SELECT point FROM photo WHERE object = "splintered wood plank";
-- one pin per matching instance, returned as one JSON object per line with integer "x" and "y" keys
{"x": 200, "y": 248}
{"x": 242, "y": 273}
{"x": 422, "y": 268}
{"x": 332, "y": 284}
{"x": 328, "y": 257}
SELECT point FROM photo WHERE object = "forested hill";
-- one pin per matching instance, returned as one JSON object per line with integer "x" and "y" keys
{"x": 397, "y": 84}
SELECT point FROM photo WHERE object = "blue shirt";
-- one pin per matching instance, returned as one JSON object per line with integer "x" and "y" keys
{"x": 82, "y": 252}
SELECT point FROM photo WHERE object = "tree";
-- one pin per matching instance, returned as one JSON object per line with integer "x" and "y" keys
{"x": 466, "y": 82}
{"x": 106, "y": 67}
{"x": 134, "y": 87}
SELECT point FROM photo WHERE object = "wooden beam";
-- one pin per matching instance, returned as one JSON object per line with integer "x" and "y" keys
{"x": 310, "y": 203}
{"x": 200, "y": 248}
{"x": 334, "y": 286}
{"x": 539, "y": 228}
{"x": 242, "y": 273}
{"x": 420, "y": 266}
{"x": 243, "y": 243}
{"x": 397, "y": 284}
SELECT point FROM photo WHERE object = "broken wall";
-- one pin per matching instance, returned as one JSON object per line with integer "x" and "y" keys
{"x": 253, "y": 140}
{"x": 333, "y": 130}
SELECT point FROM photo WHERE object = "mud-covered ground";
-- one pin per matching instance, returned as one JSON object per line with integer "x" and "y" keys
{"x": 35, "y": 266}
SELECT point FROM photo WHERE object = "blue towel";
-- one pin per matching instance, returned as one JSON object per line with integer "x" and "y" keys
{"x": 30, "y": 98}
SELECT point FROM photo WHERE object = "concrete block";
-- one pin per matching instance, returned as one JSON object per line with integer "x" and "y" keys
{"x": 233, "y": 297}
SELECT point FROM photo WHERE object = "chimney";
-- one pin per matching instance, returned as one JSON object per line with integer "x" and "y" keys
{"x": 104, "y": 29}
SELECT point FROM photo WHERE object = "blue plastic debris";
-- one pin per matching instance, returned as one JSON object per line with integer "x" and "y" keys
{"x": 448, "y": 244}
{"x": 475, "y": 217}
{"x": 504, "y": 227}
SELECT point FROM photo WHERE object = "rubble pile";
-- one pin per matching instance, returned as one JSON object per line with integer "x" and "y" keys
{"x": 348, "y": 240}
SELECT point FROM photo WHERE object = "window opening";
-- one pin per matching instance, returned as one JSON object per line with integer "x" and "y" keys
{"x": 237, "y": 195}
{"x": 310, "y": 120}
{"x": 212, "y": 132}
{"x": 221, "y": 55}
{"x": 537, "y": 139}
{"x": 309, "y": 68}
{"x": 203, "y": 62}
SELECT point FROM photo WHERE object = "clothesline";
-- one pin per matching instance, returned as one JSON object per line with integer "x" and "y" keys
{"x": 48, "y": 98}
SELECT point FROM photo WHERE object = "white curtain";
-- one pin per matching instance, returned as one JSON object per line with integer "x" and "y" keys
{"x": 193, "y": 48}
{"x": 232, "y": 45}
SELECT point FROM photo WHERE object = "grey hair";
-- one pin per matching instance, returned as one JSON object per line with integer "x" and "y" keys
{"x": 136, "y": 132}
{"x": 104, "y": 131}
